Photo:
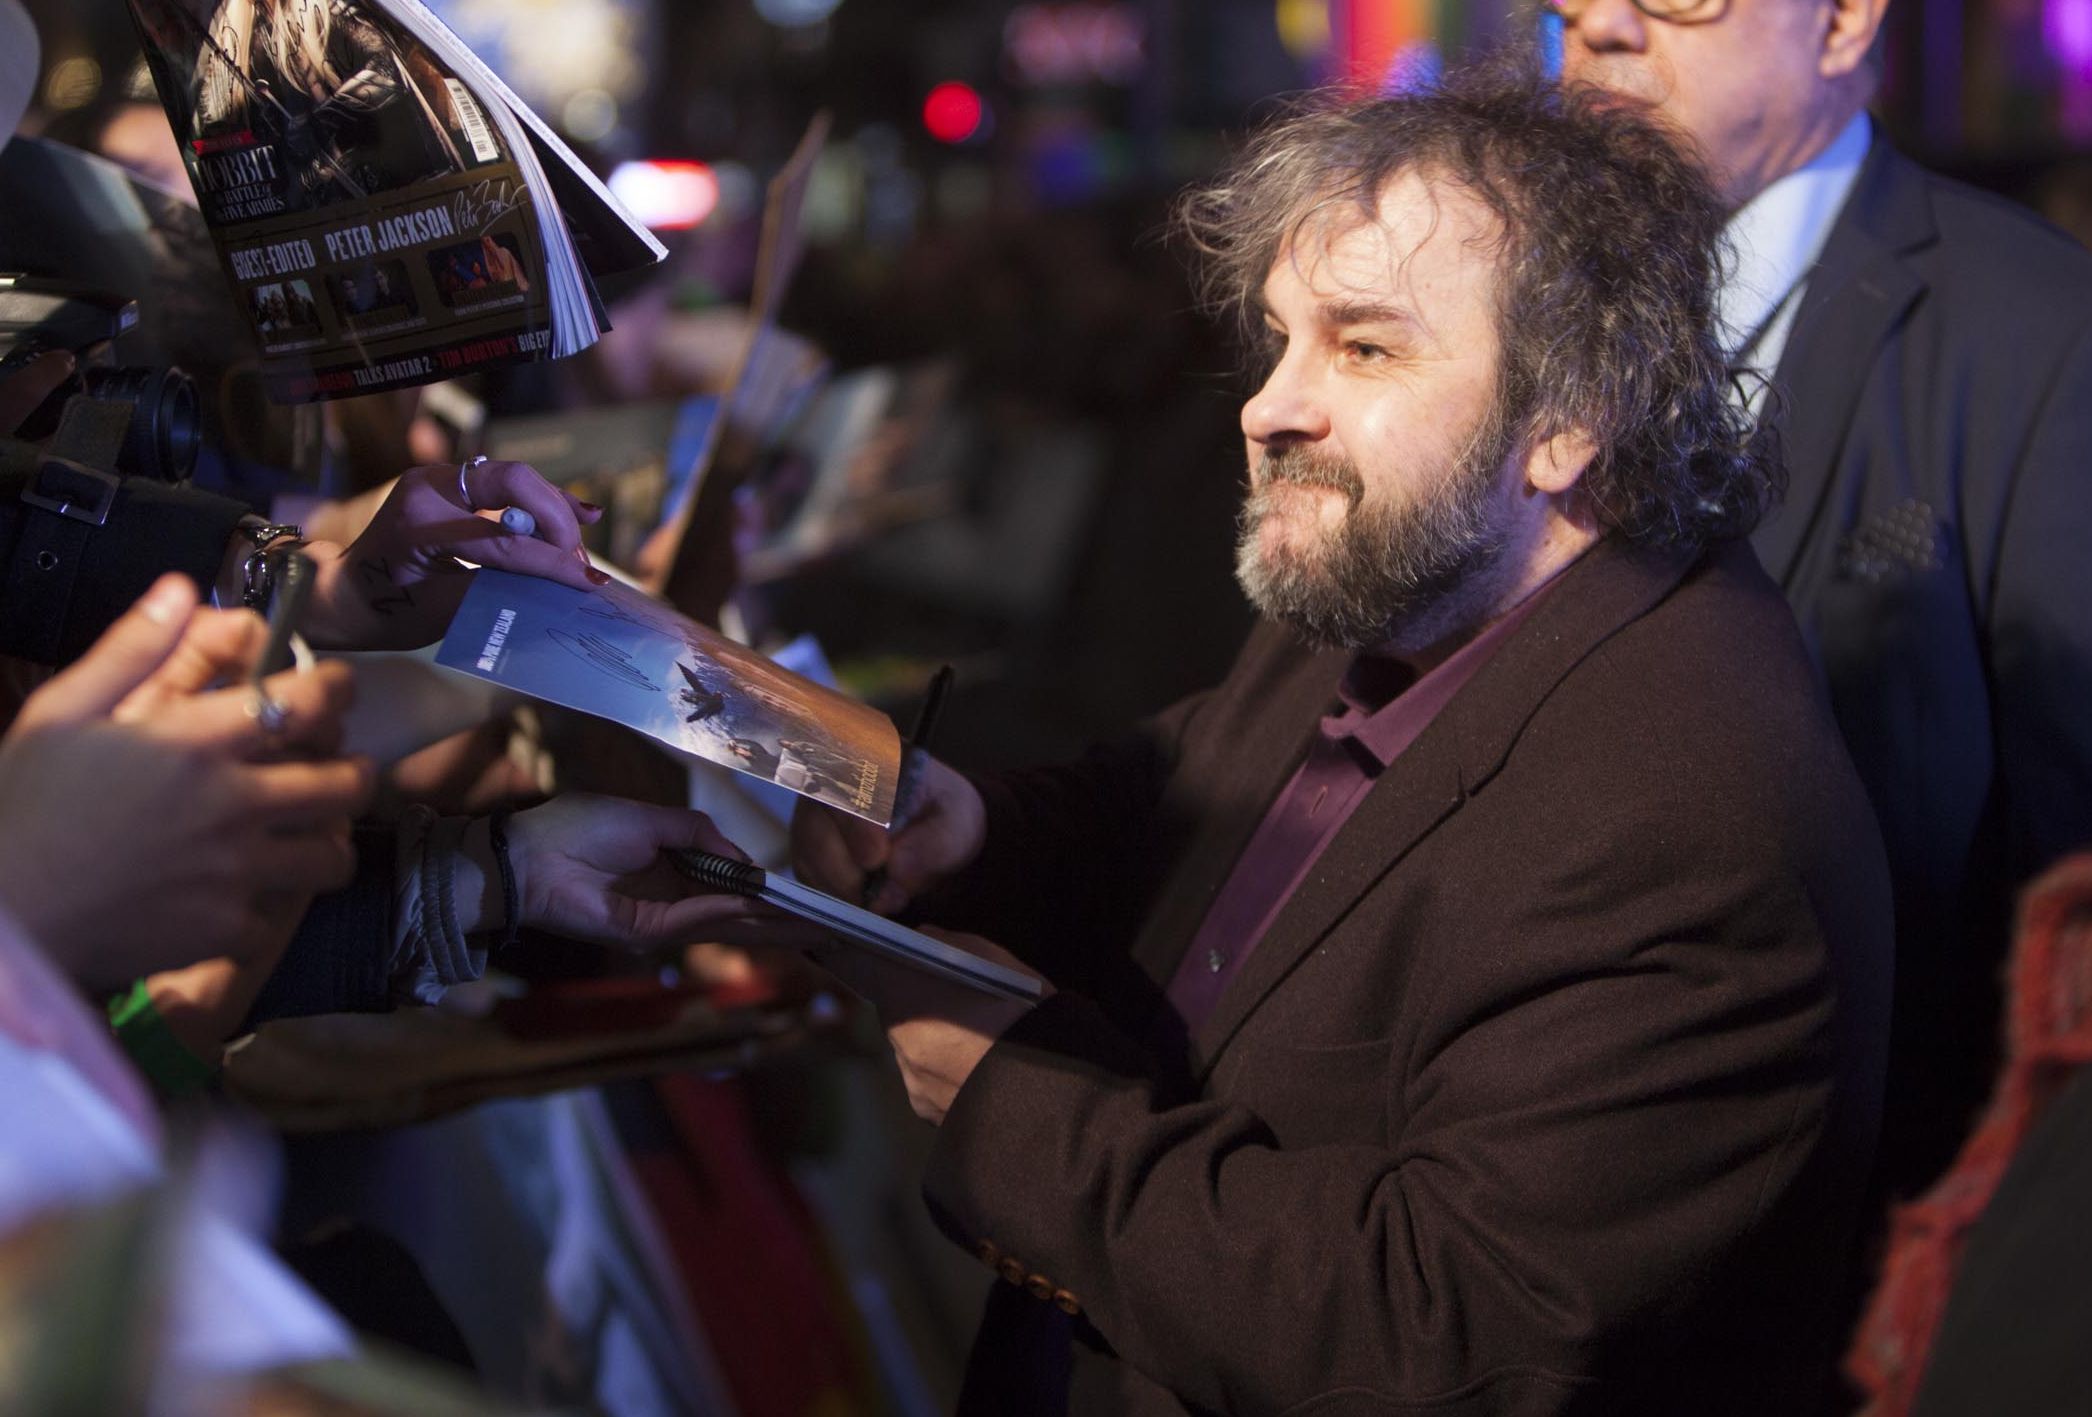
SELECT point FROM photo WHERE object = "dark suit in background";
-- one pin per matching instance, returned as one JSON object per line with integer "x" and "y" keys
{"x": 1547, "y": 1092}
{"x": 1936, "y": 544}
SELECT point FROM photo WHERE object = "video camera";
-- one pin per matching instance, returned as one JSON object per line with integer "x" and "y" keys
{"x": 39, "y": 314}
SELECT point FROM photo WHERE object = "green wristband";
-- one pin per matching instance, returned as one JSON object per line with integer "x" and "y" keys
{"x": 173, "y": 1070}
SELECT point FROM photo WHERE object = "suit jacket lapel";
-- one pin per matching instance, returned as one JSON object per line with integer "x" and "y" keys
{"x": 1460, "y": 750}
{"x": 1856, "y": 295}
{"x": 1234, "y": 796}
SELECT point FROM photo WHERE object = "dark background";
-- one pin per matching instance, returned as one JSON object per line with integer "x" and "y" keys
{"x": 1034, "y": 254}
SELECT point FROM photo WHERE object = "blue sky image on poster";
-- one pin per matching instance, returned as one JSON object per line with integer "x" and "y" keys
{"x": 621, "y": 655}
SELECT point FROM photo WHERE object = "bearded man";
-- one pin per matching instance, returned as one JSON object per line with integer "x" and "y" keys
{"x": 1476, "y": 1003}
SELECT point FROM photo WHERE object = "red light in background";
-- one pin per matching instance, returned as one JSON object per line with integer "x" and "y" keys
{"x": 1370, "y": 37}
{"x": 953, "y": 112}
{"x": 666, "y": 195}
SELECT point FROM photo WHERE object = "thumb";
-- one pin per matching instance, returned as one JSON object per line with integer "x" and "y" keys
{"x": 122, "y": 659}
{"x": 216, "y": 647}
{"x": 921, "y": 852}
{"x": 869, "y": 846}
{"x": 827, "y": 852}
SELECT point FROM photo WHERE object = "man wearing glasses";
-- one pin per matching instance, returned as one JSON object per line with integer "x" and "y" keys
{"x": 1931, "y": 349}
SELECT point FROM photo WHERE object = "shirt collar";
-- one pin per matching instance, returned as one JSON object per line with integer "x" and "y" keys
{"x": 1777, "y": 235}
{"x": 1387, "y": 705}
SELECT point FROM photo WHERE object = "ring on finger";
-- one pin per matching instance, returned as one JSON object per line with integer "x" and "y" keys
{"x": 464, "y": 492}
{"x": 269, "y": 713}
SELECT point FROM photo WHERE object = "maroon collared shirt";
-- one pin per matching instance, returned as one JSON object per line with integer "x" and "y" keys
{"x": 1382, "y": 707}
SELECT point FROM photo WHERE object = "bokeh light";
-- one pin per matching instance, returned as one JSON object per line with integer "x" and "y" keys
{"x": 953, "y": 112}
{"x": 795, "y": 14}
{"x": 666, "y": 195}
{"x": 590, "y": 115}
{"x": 1303, "y": 27}
{"x": 73, "y": 83}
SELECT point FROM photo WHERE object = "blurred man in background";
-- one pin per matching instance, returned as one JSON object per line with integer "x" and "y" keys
{"x": 1932, "y": 351}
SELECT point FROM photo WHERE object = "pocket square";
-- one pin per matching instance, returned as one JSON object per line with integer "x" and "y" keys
{"x": 1907, "y": 537}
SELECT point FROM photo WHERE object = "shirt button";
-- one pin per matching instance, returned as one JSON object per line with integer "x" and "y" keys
{"x": 1216, "y": 961}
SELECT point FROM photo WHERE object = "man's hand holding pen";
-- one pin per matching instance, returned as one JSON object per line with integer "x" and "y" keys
{"x": 837, "y": 853}
{"x": 939, "y": 1031}
{"x": 908, "y": 790}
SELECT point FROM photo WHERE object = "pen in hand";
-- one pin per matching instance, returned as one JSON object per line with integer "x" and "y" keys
{"x": 519, "y": 521}
{"x": 914, "y": 756}
{"x": 291, "y": 589}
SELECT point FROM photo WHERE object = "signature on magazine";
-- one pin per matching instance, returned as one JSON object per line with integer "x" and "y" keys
{"x": 479, "y": 206}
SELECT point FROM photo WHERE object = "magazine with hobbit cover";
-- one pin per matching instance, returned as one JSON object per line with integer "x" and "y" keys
{"x": 622, "y": 655}
{"x": 388, "y": 211}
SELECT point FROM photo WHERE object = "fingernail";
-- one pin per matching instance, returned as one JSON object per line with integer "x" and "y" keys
{"x": 598, "y": 577}
{"x": 166, "y": 602}
{"x": 591, "y": 508}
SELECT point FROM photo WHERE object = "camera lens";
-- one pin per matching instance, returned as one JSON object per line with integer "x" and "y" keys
{"x": 166, "y": 419}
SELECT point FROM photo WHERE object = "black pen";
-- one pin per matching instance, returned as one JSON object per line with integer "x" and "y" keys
{"x": 915, "y": 758}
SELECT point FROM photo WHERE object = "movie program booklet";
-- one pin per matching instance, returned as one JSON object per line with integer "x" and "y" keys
{"x": 388, "y": 211}
{"x": 624, "y": 656}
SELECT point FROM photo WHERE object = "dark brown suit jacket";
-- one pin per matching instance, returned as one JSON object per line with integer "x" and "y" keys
{"x": 1552, "y": 1090}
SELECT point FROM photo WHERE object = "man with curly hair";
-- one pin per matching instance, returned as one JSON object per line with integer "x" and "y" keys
{"x": 1476, "y": 1003}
